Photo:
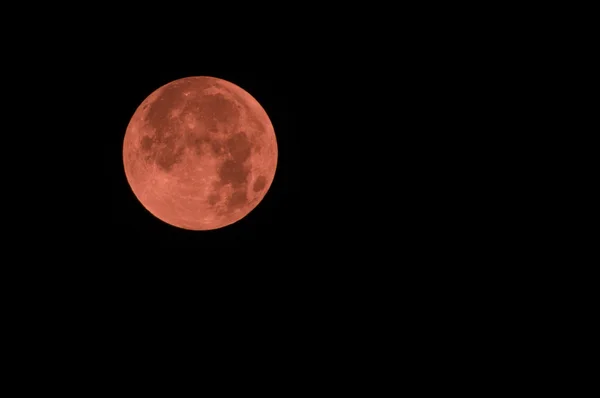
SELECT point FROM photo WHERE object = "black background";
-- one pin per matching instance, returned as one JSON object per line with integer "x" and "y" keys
{"x": 384, "y": 228}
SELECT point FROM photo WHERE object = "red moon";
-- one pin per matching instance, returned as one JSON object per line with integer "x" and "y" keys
{"x": 200, "y": 153}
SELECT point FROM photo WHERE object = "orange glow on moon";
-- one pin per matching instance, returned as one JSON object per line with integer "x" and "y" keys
{"x": 200, "y": 153}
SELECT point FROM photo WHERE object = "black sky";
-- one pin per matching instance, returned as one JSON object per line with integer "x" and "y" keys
{"x": 391, "y": 213}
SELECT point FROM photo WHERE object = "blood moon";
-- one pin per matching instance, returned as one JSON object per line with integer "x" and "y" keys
{"x": 200, "y": 153}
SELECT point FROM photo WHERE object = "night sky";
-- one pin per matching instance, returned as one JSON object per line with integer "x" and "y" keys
{"x": 391, "y": 203}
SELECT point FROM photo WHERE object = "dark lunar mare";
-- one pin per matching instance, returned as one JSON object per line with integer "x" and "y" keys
{"x": 235, "y": 170}
{"x": 259, "y": 184}
{"x": 164, "y": 148}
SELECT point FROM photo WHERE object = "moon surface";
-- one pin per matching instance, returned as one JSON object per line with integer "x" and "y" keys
{"x": 200, "y": 153}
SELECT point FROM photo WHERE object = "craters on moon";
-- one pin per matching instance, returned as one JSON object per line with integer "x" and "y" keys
{"x": 164, "y": 149}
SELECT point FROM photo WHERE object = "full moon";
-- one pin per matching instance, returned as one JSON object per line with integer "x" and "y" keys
{"x": 200, "y": 153}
